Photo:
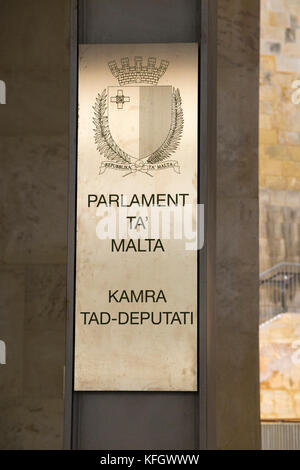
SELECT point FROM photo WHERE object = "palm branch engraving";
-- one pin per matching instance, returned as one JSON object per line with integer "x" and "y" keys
{"x": 103, "y": 138}
{"x": 111, "y": 151}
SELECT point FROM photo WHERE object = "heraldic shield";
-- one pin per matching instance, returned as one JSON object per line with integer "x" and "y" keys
{"x": 139, "y": 118}
{"x": 138, "y": 125}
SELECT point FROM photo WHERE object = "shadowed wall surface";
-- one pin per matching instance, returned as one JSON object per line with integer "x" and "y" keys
{"x": 34, "y": 37}
{"x": 237, "y": 226}
{"x": 33, "y": 146}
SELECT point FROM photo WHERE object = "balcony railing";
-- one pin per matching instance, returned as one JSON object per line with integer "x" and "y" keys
{"x": 279, "y": 290}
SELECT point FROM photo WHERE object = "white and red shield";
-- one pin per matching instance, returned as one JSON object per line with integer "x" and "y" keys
{"x": 139, "y": 118}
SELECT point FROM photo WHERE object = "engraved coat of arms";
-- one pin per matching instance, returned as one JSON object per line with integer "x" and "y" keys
{"x": 138, "y": 124}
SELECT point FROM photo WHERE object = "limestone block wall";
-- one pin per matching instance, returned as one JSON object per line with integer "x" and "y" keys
{"x": 34, "y": 54}
{"x": 279, "y": 149}
{"x": 280, "y": 368}
{"x": 279, "y": 227}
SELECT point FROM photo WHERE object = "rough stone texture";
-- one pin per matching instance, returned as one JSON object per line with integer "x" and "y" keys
{"x": 280, "y": 367}
{"x": 279, "y": 116}
{"x": 279, "y": 156}
{"x": 279, "y": 227}
{"x": 34, "y": 51}
{"x": 237, "y": 226}
{"x": 279, "y": 148}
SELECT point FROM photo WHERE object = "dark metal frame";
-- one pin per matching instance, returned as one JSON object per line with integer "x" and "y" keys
{"x": 207, "y": 150}
{"x": 206, "y": 420}
{"x": 69, "y": 369}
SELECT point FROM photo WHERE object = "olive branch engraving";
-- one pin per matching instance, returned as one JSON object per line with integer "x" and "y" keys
{"x": 172, "y": 141}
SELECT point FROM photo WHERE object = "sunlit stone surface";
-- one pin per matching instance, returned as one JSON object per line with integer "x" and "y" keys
{"x": 280, "y": 367}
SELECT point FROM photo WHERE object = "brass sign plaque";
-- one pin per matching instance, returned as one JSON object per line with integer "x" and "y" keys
{"x": 136, "y": 247}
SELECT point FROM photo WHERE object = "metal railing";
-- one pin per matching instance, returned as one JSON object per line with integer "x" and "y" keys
{"x": 280, "y": 293}
{"x": 280, "y": 436}
{"x": 279, "y": 290}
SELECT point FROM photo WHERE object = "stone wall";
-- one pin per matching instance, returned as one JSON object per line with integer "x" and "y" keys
{"x": 279, "y": 155}
{"x": 34, "y": 53}
{"x": 33, "y": 127}
{"x": 279, "y": 150}
{"x": 280, "y": 368}
{"x": 279, "y": 227}
{"x": 237, "y": 226}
